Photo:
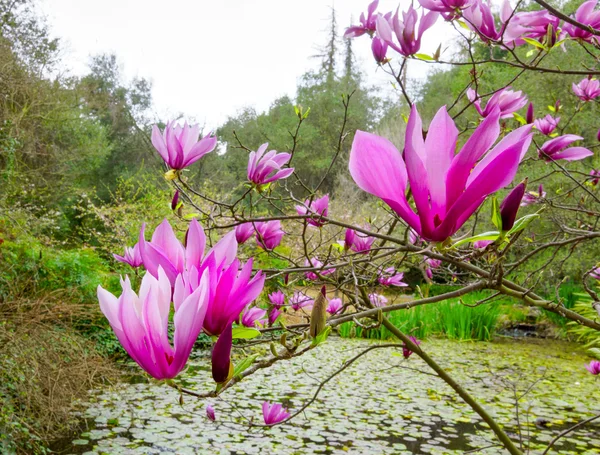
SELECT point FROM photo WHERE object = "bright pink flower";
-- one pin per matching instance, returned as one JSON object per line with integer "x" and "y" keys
{"x": 274, "y": 413}
{"x": 334, "y": 306}
{"x": 445, "y": 6}
{"x": 533, "y": 25}
{"x": 446, "y": 188}
{"x": 254, "y": 316}
{"x": 595, "y": 274}
{"x": 141, "y": 323}
{"x": 508, "y": 101}
{"x": 480, "y": 19}
{"x": 243, "y": 232}
{"x": 482, "y": 244}
{"x": 349, "y": 238}
{"x": 378, "y": 300}
{"x": 585, "y": 14}
{"x": 269, "y": 234}
{"x": 433, "y": 263}
{"x": 429, "y": 273}
{"x": 179, "y": 145}
{"x": 406, "y": 352}
{"x": 587, "y": 89}
{"x": 533, "y": 197}
{"x": 300, "y": 300}
{"x": 210, "y": 412}
{"x": 510, "y": 206}
{"x": 409, "y": 40}
{"x": 314, "y": 262}
{"x": 277, "y": 299}
{"x": 265, "y": 168}
{"x": 389, "y": 277}
{"x": 413, "y": 237}
{"x": 556, "y": 149}
{"x": 379, "y": 49}
{"x": 547, "y": 124}
{"x": 131, "y": 256}
{"x": 367, "y": 24}
{"x": 595, "y": 177}
{"x": 362, "y": 242}
{"x": 593, "y": 367}
{"x": 318, "y": 207}
{"x": 273, "y": 315}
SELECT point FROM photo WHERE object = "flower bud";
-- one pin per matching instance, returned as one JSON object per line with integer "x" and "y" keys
{"x": 510, "y": 205}
{"x": 318, "y": 316}
{"x": 175, "y": 200}
{"x": 529, "y": 117}
{"x": 210, "y": 412}
{"x": 349, "y": 238}
{"x": 222, "y": 368}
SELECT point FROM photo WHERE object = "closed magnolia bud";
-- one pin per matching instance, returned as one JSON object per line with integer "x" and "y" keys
{"x": 318, "y": 316}
{"x": 510, "y": 205}
{"x": 222, "y": 368}
{"x": 529, "y": 116}
{"x": 175, "y": 200}
{"x": 349, "y": 238}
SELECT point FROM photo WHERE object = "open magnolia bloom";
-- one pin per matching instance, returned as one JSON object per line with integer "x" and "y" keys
{"x": 447, "y": 187}
{"x": 141, "y": 322}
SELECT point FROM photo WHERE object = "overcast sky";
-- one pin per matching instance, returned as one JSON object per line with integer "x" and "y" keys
{"x": 208, "y": 59}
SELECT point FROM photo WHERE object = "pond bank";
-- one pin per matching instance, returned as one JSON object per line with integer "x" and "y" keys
{"x": 378, "y": 405}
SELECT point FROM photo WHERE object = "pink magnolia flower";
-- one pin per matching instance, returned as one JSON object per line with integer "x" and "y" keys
{"x": 318, "y": 207}
{"x": 482, "y": 244}
{"x": 534, "y": 25}
{"x": 314, "y": 262}
{"x": 348, "y": 239}
{"x": 141, "y": 322}
{"x": 595, "y": 174}
{"x": 277, "y": 299}
{"x": 274, "y": 413}
{"x": 593, "y": 367}
{"x": 479, "y": 18}
{"x": 379, "y": 49}
{"x": 300, "y": 300}
{"x": 367, "y": 24}
{"x": 556, "y": 149}
{"x": 508, "y": 101}
{"x": 362, "y": 242}
{"x": 413, "y": 237}
{"x": 533, "y": 197}
{"x": 405, "y": 30}
{"x": 243, "y": 232}
{"x": 547, "y": 124}
{"x": 446, "y": 188}
{"x": 595, "y": 274}
{"x": 269, "y": 234}
{"x": 406, "y": 352}
{"x": 266, "y": 168}
{"x": 334, "y": 306}
{"x": 179, "y": 145}
{"x": 389, "y": 277}
{"x": 429, "y": 273}
{"x": 445, "y": 6}
{"x": 587, "y": 89}
{"x": 378, "y": 300}
{"x": 210, "y": 412}
{"x": 254, "y": 316}
{"x": 433, "y": 263}
{"x": 273, "y": 315}
{"x": 585, "y": 14}
{"x": 131, "y": 256}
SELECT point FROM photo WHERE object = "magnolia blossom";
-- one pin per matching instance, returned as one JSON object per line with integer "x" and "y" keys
{"x": 266, "y": 168}
{"x": 445, "y": 6}
{"x": 587, "y": 89}
{"x": 367, "y": 24}
{"x": 269, "y": 234}
{"x": 361, "y": 242}
{"x": 314, "y": 262}
{"x": 536, "y": 25}
{"x": 274, "y": 413}
{"x": 389, "y": 277}
{"x": 141, "y": 323}
{"x": 533, "y": 197}
{"x": 378, "y": 300}
{"x": 479, "y": 18}
{"x": 413, "y": 237}
{"x": 379, "y": 49}
{"x": 318, "y": 207}
{"x": 482, "y": 244}
{"x": 300, "y": 300}
{"x": 277, "y": 299}
{"x": 210, "y": 412}
{"x": 179, "y": 145}
{"x": 446, "y": 187}
{"x": 349, "y": 238}
{"x": 508, "y": 101}
{"x": 593, "y": 367}
{"x": 405, "y": 30}
{"x": 243, "y": 232}
{"x": 434, "y": 263}
{"x": 254, "y": 316}
{"x": 595, "y": 273}
{"x": 556, "y": 149}
{"x": 586, "y": 15}
{"x": 131, "y": 256}
{"x": 334, "y": 306}
{"x": 547, "y": 124}
{"x": 406, "y": 352}
{"x": 273, "y": 315}
{"x": 595, "y": 174}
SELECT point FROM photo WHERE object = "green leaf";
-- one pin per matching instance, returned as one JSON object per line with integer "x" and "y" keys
{"x": 306, "y": 113}
{"x": 534, "y": 43}
{"x": 496, "y": 217}
{"x": 338, "y": 247}
{"x": 530, "y": 53}
{"x": 464, "y": 25}
{"x": 423, "y": 57}
{"x": 244, "y": 364}
{"x": 245, "y": 333}
{"x": 551, "y": 109}
{"x": 522, "y": 223}
{"x": 405, "y": 118}
{"x": 490, "y": 235}
{"x": 519, "y": 118}
{"x": 321, "y": 337}
{"x": 190, "y": 216}
{"x": 297, "y": 111}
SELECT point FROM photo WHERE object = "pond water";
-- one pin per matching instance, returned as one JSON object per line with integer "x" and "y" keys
{"x": 379, "y": 405}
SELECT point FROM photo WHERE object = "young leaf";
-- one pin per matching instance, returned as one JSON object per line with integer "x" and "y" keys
{"x": 244, "y": 364}
{"x": 491, "y": 235}
{"x": 534, "y": 43}
{"x": 245, "y": 333}
{"x": 423, "y": 57}
{"x": 321, "y": 337}
{"x": 522, "y": 223}
{"x": 496, "y": 217}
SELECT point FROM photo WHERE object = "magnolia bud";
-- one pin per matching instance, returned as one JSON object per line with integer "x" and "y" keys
{"x": 222, "y": 368}
{"x": 529, "y": 116}
{"x": 349, "y": 238}
{"x": 510, "y": 205}
{"x": 318, "y": 316}
{"x": 175, "y": 200}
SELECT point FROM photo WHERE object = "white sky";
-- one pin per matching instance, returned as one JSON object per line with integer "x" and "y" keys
{"x": 208, "y": 59}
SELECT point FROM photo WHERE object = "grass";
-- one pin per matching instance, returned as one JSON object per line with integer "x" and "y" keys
{"x": 450, "y": 318}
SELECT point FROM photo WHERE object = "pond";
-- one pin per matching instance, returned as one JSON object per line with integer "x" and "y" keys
{"x": 379, "y": 405}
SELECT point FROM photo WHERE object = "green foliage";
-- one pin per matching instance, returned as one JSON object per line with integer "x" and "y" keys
{"x": 590, "y": 337}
